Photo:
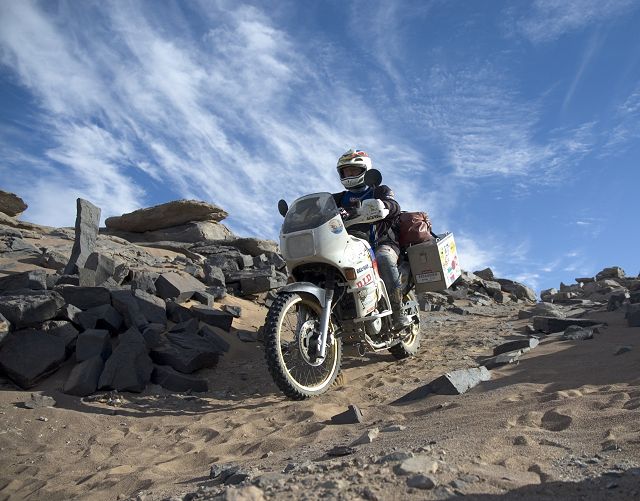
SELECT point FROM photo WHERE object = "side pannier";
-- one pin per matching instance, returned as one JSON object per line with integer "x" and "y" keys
{"x": 414, "y": 227}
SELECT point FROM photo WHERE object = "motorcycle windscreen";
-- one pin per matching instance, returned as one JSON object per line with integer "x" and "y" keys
{"x": 310, "y": 211}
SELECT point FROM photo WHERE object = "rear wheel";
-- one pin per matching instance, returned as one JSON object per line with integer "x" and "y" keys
{"x": 410, "y": 343}
{"x": 290, "y": 337}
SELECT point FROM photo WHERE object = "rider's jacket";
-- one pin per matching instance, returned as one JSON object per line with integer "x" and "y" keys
{"x": 383, "y": 232}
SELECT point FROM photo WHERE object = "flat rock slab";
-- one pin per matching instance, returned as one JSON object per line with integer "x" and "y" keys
{"x": 351, "y": 416}
{"x": 29, "y": 355}
{"x": 459, "y": 382}
{"x": 504, "y": 358}
{"x": 213, "y": 317}
{"x": 84, "y": 377}
{"x": 416, "y": 465}
{"x": 518, "y": 344}
{"x": 550, "y": 325}
{"x": 32, "y": 308}
{"x": 39, "y": 401}
{"x": 85, "y": 297}
{"x": 575, "y": 333}
{"x": 166, "y": 215}
{"x": 169, "y": 378}
{"x": 177, "y": 287}
{"x": 11, "y": 204}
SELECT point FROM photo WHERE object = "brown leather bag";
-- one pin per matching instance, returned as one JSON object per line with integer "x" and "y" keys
{"x": 415, "y": 228}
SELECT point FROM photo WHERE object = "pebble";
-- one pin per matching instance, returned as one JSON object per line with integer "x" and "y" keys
{"x": 42, "y": 418}
{"x": 421, "y": 482}
{"x": 417, "y": 465}
{"x": 368, "y": 437}
{"x": 393, "y": 427}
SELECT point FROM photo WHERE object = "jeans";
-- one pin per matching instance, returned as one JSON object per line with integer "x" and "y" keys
{"x": 387, "y": 258}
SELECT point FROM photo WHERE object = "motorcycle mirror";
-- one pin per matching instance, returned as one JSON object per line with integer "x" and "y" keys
{"x": 373, "y": 178}
{"x": 283, "y": 207}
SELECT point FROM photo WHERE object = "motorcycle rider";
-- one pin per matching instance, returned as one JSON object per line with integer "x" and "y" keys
{"x": 352, "y": 166}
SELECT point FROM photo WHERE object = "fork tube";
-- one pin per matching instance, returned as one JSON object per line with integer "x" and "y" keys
{"x": 324, "y": 322}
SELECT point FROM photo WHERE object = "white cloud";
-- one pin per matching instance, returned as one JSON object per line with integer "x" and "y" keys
{"x": 547, "y": 20}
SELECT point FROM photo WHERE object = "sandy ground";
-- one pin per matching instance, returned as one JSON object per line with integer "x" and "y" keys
{"x": 568, "y": 412}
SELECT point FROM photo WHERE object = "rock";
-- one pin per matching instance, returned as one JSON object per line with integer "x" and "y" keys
{"x": 420, "y": 464}
{"x": 459, "y": 382}
{"x": 518, "y": 344}
{"x": 213, "y": 275}
{"x": 616, "y": 300}
{"x": 503, "y": 359}
{"x": 633, "y": 315}
{"x": 204, "y": 298}
{"x": 395, "y": 456}
{"x": 253, "y": 246}
{"x": 32, "y": 308}
{"x": 5, "y": 327}
{"x": 128, "y": 306}
{"x": 66, "y": 280}
{"x": 34, "y": 280}
{"x": 458, "y": 311}
{"x": 87, "y": 223}
{"x": 502, "y": 297}
{"x": 613, "y": 272}
{"x": 84, "y": 297}
{"x": 178, "y": 313}
{"x": 340, "y": 450}
{"x": 84, "y": 377}
{"x": 186, "y": 352}
{"x": 169, "y": 378}
{"x": 101, "y": 317}
{"x": 213, "y": 317}
{"x": 623, "y": 349}
{"x": 486, "y": 274}
{"x": 106, "y": 268}
{"x": 393, "y": 427}
{"x": 8, "y": 231}
{"x": 153, "y": 335}
{"x": 11, "y": 204}
{"x": 542, "y": 309}
{"x": 64, "y": 330}
{"x": 27, "y": 356}
{"x": 177, "y": 287}
{"x": 519, "y": 290}
{"x": 52, "y": 259}
{"x": 367, "y": 437}
{"x": 39, "y": 401}
{"x": 214, "y": 338}
{"x": 129, "y": 366}
{"x": 423, "y": 482}
{"x": 93, "y": 342}
{"x": 153, "y": 308}
{"x": 166, "y": 215}
{"x": 144, "y": 280}
{"x": 250, "y": 493}
{"x": 550, "y": 325}
{"x": 351, "y": 416}
{"x": 576, "y": 333}
{"x": 491, "y": 287}
{"x": 247, "y": 337}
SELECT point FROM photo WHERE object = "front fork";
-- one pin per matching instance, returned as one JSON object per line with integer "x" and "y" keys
{"x": 325, "y": 317}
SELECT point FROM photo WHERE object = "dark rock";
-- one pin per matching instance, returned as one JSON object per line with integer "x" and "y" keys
{"x": 486, "y": 274}
{"x": 178, "y": 313}
{"x": 247, "y": 337}
{"x": 420, "y": 481}
{"x": 153, "y": 308}
{"x": 53, "y": 260}
{"x": 633, "y": 315}
{"x": 616, "y": 300}
{"x": 86, "y": 277}
{"x": 178, "y": 287}
{"x": 623, "y": 349}
{"x": 153, "y": 335}
{"x": 204, "y": 298}
{"x": 128, "y": 306}
{"x": 8, "y": 231}
{"x": 84, "y": 377}
{"x": 171, "y": 379}
{"x": 576, "y": 333}
{"x": 34, "y": 280}
{"x": 18, "y": 247}
{"x": 129, "y": 366}
{"x": 460, "y": 381}
{"x": 502, "y": 359}
{"x": 11, "y": 204}
{"x": 39, "y": 401}
{"x": 30, "y": 308}
{"x": 85, "y": 297}
{"x": 5, "y": 327}
{"x": 519, "y": 290}
{"x": 550, "y": 325}
{"x": 518, "y": 344}
{"x": 70, "y": 313}
{"x": 144, "y": 280}
{"x": 101, "y": 317}
{"x": 341, "y": 450}
{"x": 67, "y": 280}
{"x": 213, "y": 317}
{"x": 93, "y": 342}
{"x": 187, "y": 352}
{"x": 351, "y": 416}
{"x": 64, "y": 330}
{"x": 214, "y": 338}
{"x": 166, "y": 215}
{"x": 613, "y": 272}
{"x": 213, "y": 276}
{"x": 106, "y": 267}
{"x": 217, "y": 292}
{"x": 189, "y": 326}
{"x": 87, "y": 223}
{"x": 27, "y": 356}
{"x": 458, "y": 311}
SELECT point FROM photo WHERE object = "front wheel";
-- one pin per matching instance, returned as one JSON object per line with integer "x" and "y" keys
{"x": 410, "y": 343}
{"x": 290, "y": 338}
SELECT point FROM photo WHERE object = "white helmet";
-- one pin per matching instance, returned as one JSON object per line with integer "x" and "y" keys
{"x": 353, "y": 158}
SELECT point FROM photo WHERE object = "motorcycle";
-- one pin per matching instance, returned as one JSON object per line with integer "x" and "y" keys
{"x": 336, "y": 295}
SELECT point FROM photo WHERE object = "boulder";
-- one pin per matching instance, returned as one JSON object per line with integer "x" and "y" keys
{"x": 93, "y": 342}
{"x": 486, "y": 274}
{"x": 204, "y": 298}
{"x": 352, "y": 415}
{"x": 106, "y": 268}
{"x": 153, "y": 335}
{"x": 84, "y": 297}
{"x": 18, "y": 248}
{"x": 5, "y": 327}
{"x": 505, "y": 358}
{"x": 542, "y": 309}
{"x": 253, "y": 246}
{"x": 11, "y": 204}
{"x": 214, "y": 338}
{"x": 144, "y": 280}
{"x": 101, "y": 317}
{"x": 87, "y": 223}
{"x": 177, "y": 287}
{"x": 34, "y": 280}
{"x": 27, "y": 356}
{"x": 166, "y": 215}
{"x": 213, "y": 317}
{"x": 617, "y": 299}
{"x": 613, "y": 272}
{"x": 550, "y": 325}
{"x": 128, "y": 306}
{"x": 129, "y": 366}
{"x": 633, "y": 315}
{"x": 460, "y": 381}
{"x": 518, "y": 344}
{"x": 152, "y": 307}
{"x": 519, "y": 290}
{"x": 64, "y": 330}
{"x": 169, "y": 378}
{"x": 576, "y": 333}
{"x": 187, "y": 352}
{"x": 84, "y": 377}
{"x": 53, "y": 260}
{"x": 214, "y": 276}
{"x": 69, "y": 312}
{"x": 178, "y": 313}
{"x": 32, "y": 308}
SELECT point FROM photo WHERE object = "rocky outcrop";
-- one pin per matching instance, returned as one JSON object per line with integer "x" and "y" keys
{"x": 191, "y": 232}
{"x": 11, "y": 204}
{"x": 166, "y": 215}
{"x": 87, "y": 224}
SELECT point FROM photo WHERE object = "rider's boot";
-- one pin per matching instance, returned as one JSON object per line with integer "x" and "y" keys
{"x": 399, "y": 319}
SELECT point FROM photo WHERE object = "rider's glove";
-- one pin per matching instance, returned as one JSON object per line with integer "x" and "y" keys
{"x": 373, "y": 210}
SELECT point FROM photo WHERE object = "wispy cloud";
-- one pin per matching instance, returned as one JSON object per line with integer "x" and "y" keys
{"x": 546, "y": 20}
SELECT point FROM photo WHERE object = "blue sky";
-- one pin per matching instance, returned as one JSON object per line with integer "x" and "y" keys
{"x": 516, "y": 125}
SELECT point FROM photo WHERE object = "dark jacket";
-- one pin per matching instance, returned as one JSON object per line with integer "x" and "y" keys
{"x": 385, "y": 230}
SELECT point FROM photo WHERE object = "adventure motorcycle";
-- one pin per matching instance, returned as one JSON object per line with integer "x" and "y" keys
{"x": 337, "y": 296}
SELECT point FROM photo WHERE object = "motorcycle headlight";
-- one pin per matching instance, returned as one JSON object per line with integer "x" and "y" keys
{"x": 300, "y": 246}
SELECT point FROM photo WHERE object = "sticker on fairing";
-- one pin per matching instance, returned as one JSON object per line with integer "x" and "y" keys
{"x": 336, "y": 227}
{"x": 423, "y": 278}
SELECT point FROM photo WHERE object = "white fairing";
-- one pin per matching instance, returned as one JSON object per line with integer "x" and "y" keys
{"x": 313, "y": 232}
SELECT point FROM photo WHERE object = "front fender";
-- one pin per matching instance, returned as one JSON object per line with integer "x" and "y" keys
{"x": 306, "y": 287}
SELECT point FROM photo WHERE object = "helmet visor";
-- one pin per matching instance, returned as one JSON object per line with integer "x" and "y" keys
{"x": 351, "y": 171}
